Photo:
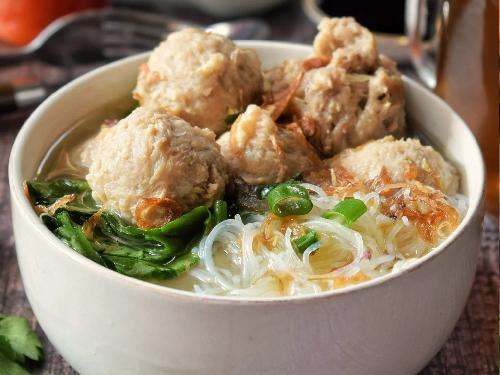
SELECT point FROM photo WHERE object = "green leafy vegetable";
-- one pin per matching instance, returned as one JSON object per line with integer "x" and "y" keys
{"x": 289, "y": 199}
{"x": 18, "y": 334}
{"x": 72, "y": 234}
{"x": 160, "y": 253}
{"x": 347, "y": 211}
{"x": 47, "y": 192}
{"x": 9, "y": 367}
{"x": 184, "y": 225}
{"x": 303, "y": 242}
{"x": 17, "y": 342}
{"x": 143, "y": 269}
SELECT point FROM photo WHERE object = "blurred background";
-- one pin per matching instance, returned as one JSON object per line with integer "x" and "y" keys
{"x": 451, "y": 47}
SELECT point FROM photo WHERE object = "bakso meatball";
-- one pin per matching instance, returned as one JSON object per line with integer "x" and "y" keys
{"x": 338, "y": 109}
{"x": 404, "y": 159}
{"x": 201, "y": 77}
{"x": 348, "y": 94}
{"x": 151, "y": 167}
{"x": 260, "y": 152}
{"x": 278, "y": 79}
{"x": 352, "y": 45}
{"x": 348, "y": 44}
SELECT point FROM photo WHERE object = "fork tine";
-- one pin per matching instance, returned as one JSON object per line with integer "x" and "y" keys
{"x": 124, "y": 40}
{"x": 113, "y": 53}
{"x": 146, "y": 19}
{"x": 145, "y": 31}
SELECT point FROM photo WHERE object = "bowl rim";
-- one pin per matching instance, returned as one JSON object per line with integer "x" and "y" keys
{"x": 29, "y": 216}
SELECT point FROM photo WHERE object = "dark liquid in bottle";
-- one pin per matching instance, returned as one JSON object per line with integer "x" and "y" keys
{"x": 383, "y": 16}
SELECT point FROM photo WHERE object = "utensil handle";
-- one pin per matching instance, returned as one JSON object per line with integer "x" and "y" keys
{"x": 424, "y": 20}
{"x": 7, "y": 98}
{"x": 13, "y": 58}
{"x": 15, "y": 97}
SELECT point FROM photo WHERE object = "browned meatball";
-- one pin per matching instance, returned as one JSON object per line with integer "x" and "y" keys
{"x": 356, "y": 96}
{"x": 259, "y": 151}
{"x": 149, "y": 157}
{"x": 339, "y": 109}
{"x": 201, "y": 77}
{"x": 348, "y": 44}
{"x": 404, "y": 159}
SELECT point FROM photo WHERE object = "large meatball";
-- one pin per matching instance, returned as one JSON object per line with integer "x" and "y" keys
{"x": 338, "y": 109}
{"x": 404, "y": 159}
{"x": 347, "y": 44}
{"x": 201, "y": 77}
{"x": 260, "y": 152}
{"x": 154, "y": 160}
{"x": 356, "y": 96}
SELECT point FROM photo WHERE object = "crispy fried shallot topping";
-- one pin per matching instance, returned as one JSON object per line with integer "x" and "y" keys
{"x": 89, "y": 226}
{"x": 155, "y": 212}
{"x": 278, "y": 104}
{"x": 61, "y": 202}
{"x": 336, "y": 181}
{"x": 308, "y": 126}
{"x": 424, "y": 206}
{"x": 315, "y": 62}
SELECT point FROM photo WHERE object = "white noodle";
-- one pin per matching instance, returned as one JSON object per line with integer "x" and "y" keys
{"x": 207, "y": 252}
{"x": 245, "y": 267}
{"x": 307, "y": 253}
{"x": 250, "y": 264}
{"x": 340, "y": 231}
{"x": 290, "y": 252}
{"x": 320, "y": 199}
{"x": 320, "y": 192}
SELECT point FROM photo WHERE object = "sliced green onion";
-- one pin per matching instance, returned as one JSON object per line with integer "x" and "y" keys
{"x": 347, "y": 211}
{"x": 289, "y": 199}
{"x": 229, "y": 119}
{"x": 220, "y": 211}
{"x": 303, "y": 242}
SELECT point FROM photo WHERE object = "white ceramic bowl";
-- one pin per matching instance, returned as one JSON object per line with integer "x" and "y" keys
{"x": 105, "y": 323}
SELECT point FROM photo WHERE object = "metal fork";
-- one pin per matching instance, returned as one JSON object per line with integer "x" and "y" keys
{"x": 96, "y": 36}
{"x": 110, "y": 33}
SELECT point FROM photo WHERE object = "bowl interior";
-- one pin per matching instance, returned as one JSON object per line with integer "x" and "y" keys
{"x": 99, "y": 88}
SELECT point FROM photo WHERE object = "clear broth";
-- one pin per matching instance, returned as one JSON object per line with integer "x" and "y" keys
{"x": 63, "y": 158}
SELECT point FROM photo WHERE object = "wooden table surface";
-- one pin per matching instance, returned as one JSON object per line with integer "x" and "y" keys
{"x": 472, "y": 347}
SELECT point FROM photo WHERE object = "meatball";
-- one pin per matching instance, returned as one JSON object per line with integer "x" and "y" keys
{"x": 260, "y": 152}
{"x": 201, "y": 77}
{"x": 350, "y": 100}
{"x": 279, "y": 78}
{"x": 348, "y": 44}
{"x": 155, "y": 160}
{"x": 338, "y": 109}
{"x": 404, "y": 159}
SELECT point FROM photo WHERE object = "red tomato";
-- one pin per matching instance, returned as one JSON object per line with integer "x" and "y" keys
{"x": 22, "y": 20}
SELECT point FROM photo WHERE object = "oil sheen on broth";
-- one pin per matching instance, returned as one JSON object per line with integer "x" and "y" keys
{"x": 63, "y": 158}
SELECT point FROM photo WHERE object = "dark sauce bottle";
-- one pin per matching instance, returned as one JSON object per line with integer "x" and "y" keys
{"x": 382, "y": 16}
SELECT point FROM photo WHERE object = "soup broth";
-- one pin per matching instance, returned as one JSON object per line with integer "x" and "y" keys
{"x": 63, "y": 158}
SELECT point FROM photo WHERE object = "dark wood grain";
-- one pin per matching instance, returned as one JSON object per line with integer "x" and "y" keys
{"x": 471, "y": 349}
